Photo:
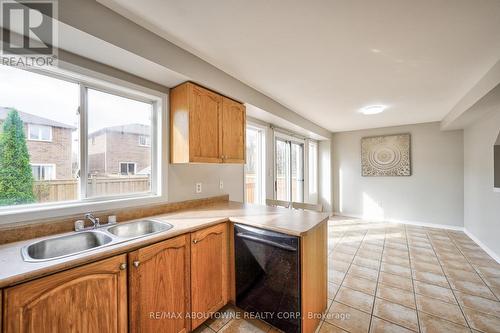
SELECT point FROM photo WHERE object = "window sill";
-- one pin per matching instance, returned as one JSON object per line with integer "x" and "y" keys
{"x": 496, "y": 189}
{"x": 47, "y": 211}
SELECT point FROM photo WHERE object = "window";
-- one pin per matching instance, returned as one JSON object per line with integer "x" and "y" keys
{"x": 127, "y": 168}
{"x": 255, "y": 191}
{"x": 43, "y": 171}
{"x": 289, "y": 166}
{"x": 91, "y": 129}
{"x": 39, "y": 132}
{"x": 144, "y": 141}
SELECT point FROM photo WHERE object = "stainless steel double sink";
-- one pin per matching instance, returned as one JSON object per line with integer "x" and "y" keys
{"x": 83, "y": 241}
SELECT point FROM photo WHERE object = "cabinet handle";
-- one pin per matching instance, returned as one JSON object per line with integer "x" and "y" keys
{"x": 195, "y": 241}
{"x": 123, "y": 266}
{"x": 137, "y": 263}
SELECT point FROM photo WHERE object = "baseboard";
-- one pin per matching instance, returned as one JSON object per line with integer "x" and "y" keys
{"x": 483, "y": 246}
{"x": 433, "y": 225}
{"x": 417, "y": 223}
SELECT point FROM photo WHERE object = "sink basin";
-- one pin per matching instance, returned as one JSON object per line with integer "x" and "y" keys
{"x": 138, "y": 228}
{"x": 63, "y": 246}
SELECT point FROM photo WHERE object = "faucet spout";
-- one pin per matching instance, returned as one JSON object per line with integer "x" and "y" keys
{"x": 93, "y": 219}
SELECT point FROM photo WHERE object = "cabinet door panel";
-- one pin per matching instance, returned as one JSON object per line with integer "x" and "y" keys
{"x": 159, "y": 284}
{"x": 91, "y": 298}
{"x": 233, "y": 131}
{"x": 204, "y": 125}
{"x": 209, "y": 266}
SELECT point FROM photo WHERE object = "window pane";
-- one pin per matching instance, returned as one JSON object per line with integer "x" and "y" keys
{"x": 43, "y": 104}
{"x": 253, "y": 172}
{"x": 45, "y": 133}
{"x": 297, "y": 172}
{"x": 282, "y": 170}
{"x": 117, "y": 164}
{"x": 313, "y": 171}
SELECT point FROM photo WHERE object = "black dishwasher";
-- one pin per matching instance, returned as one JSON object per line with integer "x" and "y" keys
{"x": 267, "y": 269}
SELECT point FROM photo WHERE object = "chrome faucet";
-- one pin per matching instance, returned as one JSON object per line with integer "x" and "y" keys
{"x": 93, "y": 219}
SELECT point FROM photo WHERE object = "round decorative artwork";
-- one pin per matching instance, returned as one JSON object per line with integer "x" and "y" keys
{"x": 386, "y": 155}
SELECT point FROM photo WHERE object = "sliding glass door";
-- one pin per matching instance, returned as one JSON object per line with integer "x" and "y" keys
{"x": 289, "y": 169}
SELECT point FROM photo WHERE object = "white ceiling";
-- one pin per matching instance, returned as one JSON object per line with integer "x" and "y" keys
{"x": 326, "y": 59}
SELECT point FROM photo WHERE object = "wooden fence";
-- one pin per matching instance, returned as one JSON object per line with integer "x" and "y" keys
{"x": 65, "y": 190}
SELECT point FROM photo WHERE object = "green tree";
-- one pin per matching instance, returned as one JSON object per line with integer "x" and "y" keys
{"x": 16, "y": 178}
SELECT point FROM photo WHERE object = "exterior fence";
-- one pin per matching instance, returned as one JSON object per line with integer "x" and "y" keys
{"x": 65, "y": 190}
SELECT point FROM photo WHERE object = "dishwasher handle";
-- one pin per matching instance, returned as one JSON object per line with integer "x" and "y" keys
{"x": 267, "y": 242}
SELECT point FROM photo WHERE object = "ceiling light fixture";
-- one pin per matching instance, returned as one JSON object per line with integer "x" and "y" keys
{"x": 373, "y": 109}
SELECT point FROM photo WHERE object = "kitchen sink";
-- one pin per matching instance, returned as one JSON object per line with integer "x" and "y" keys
{"x": 138, "y": 228}
{"x": 62, "y": 246}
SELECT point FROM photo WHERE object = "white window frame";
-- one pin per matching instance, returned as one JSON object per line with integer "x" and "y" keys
{"x": 159, "y": 141}
{"x": 127, "y": 163}
{"x": 146, "y": 139}
{"x": 32, "y": 126}
{"x": 262, "y": 165}
{"x": 53, "y": 176}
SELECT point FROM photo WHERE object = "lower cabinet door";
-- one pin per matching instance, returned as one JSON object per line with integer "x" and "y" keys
{"x": 209, "y": 272}
{"x": 159, "y": 287}
{"x": 91, "y": 298}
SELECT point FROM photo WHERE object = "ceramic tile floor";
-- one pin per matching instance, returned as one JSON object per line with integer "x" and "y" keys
{"x": 386, "y": 277}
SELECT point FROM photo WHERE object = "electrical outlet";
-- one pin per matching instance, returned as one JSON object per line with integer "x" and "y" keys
{"x": 221, "y": 185}
{"x": 198, "y": 187}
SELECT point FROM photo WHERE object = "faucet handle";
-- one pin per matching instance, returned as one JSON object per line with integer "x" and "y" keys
{"x": 79, "y": 225}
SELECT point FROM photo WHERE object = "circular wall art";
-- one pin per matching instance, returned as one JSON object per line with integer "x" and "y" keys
{"x": 387, "y": 155}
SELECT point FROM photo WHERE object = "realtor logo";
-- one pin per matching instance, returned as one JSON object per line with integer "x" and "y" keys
{"x": 28, "y": 32}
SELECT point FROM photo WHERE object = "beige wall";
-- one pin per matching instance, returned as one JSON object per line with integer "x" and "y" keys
{"x": 433, "y": 194}
{"x": 482, "y": 203}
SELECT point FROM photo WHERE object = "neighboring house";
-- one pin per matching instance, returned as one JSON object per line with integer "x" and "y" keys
{"x": 49, "y": 145}
{"x": 120, "y": 150}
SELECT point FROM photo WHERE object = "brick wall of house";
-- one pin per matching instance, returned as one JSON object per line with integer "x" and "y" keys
{"x": 97, "y": 154}
{"x": 57, "y": 152}
{"x": 124, "y": 147}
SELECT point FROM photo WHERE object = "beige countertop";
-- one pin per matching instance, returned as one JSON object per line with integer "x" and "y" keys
{"x": 13, "y": 269}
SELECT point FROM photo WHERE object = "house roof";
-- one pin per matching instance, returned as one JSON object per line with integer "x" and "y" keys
{"x": 29, "y": 118}
{"x": 128, "y": 128}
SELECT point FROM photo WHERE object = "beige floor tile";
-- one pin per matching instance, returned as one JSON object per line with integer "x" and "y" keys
{"x": 479, "y": 303}
{"x": 395, "y": 269}
{"x": 432, "y": 278}
{"x": 329, "y": 328}
{"x": 355, "y": 299}
{"x": 458, "y": 265}
{"x": 473, "y": 288}
{"x": 348, "y": 318}
{"x": 339, "y": 256}
{"x": 424, "y": 259}
{"x": 456, "y": 274}
{"x": 335, "y": 276}
{"x": 492, "y": 270}
{"x": 226, "y": 314}
{"x": 396, "y": 295}
{"x": 361, "y": 284}
{"x": 368, "y": 263}
{"x": 396, "y": 313}
{"x": 405, "y": 262}
{"x": 363, "y": 272}
{"x": 332, "y": 289}
{"x": 426, "y": 267}
{"x": 338, "y": 265}
{"x": 245, "y": 326}
{"x": 431, "y": 324}
{"x": 395, "y": 281}
{"x": 346, "y": 248}
{"x": 395, "y": 253}
{"x": 440, "y": 309}
{"x": 430, "y": 290}
{"x": 383, "y": 326}
{"x": 481, "y": 321}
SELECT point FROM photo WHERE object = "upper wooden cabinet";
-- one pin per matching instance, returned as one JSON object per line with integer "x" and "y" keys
{"x": 91, "y": 298}
{"x": 205, "y": 127}
{"x": 209, "y": 272}
{"x": 159, "y": 282}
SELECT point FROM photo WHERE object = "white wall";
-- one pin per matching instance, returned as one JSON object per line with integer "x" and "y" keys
{"x": 482, "y": 204}
{"x": 183, "y": 177}
{"x": 433, "y": 194}
{"x": 325, "y": 175}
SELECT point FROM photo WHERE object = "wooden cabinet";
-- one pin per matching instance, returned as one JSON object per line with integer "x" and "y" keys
{"x": 205, "y": 127}
{"x": 209, "y": 271}
{"x": 91, "y": 298}
{"x": 159, "y": 282}
{"x": 233, "y": 134}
